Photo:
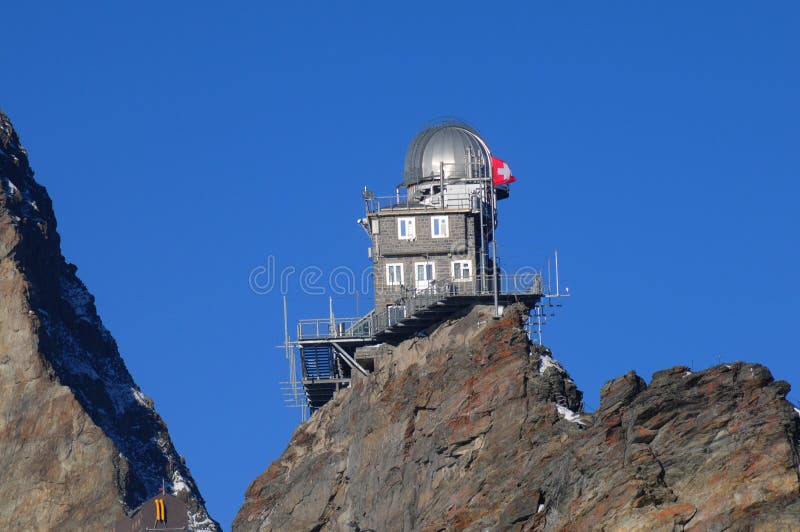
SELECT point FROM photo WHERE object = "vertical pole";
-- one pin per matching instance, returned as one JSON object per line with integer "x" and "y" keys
{"x": 332, "y": 331}
{"x": 539, "y": 322}
{"x": 483, "y": 243}
{"x": 493, "y": 221}
{"x": 285, "y": 328}
{"x": 292, "y": 363}
{"x": 557, "y": 291}
{"x": 441, "y": 182}
{"x": 470, "y": 162}
{"x": 483, "y": 180}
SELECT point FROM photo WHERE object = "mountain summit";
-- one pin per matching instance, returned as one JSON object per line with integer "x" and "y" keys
{"x": 474, "y": 428}
{"x": 80, "y": 445}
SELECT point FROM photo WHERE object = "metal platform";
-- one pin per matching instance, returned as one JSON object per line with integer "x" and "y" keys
{"x": 327, "y": 346}
{"x": 433, "y": 314}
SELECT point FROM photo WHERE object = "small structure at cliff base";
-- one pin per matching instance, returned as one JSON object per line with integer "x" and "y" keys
{"x": 162, "y": 512}
{"x": 433, "y": 253}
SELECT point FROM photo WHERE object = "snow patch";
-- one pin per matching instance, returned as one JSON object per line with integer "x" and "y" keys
{"x": 140, "y": 397}
{"x": 546, "y": 361}
{"x": 798, "y": 411}
{"x": 687, "y": 373}
{"x": 201, "y": 523}
{"x": 178, "y": 483}
{"x": 198, "y": 520}
{"x": 540, "y": 508}
{"x": 162, "y": 443}
{"x": 11, "y": 188}
{"x": 569, "y": 415}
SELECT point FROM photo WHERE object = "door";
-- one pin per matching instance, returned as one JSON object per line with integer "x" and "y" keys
{"x": 423, "y": 275}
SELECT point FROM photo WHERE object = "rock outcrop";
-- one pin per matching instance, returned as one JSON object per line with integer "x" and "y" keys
{"x": 80, "y": 444}
{"x": 474, "y": 428}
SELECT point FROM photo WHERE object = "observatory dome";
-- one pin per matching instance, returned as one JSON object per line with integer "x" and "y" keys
{"x": 452, "y": 146}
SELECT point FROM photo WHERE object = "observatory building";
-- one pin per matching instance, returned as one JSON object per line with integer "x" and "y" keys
{"x": 439, "y": 232}
{"x": 433, "y": 253}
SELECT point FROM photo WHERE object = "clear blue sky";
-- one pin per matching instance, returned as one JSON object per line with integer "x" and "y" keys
{"x": 655, "y": 143}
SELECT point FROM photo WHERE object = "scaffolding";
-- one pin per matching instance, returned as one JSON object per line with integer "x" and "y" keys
{"x": 322, "y": 357}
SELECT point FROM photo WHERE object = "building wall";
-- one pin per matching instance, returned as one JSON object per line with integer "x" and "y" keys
{"x": 462, "y": 243}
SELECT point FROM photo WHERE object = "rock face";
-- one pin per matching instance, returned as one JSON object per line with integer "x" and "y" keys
{"x": 474, "y": 428}
{"x": 80, "y": 444}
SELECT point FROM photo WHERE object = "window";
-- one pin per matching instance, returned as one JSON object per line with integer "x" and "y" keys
{"x": 439, "y": 227}
{"x": 394, "y": 274}
{"x": 406, "y": 229}
{"x": 462, "y": 270}
{"x": 424, "y": 273}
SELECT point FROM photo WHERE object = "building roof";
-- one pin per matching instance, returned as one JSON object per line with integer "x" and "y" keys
{"x": 173, "y": 516}
{"x": 457, "y": 145}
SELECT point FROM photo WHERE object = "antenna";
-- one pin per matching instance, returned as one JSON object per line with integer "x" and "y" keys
{"x": 332, "y": 317}
{"x": 557, "y": 291}
{"x": 289, "y": 352}
{"x": 286, "y": 329}
{"x": 539, "y": 323}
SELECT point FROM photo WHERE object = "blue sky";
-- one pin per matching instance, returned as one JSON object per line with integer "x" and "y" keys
{"x": 655, "y": 145}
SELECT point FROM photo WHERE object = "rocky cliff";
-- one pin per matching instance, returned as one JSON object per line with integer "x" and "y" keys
{"x": 474, "y": 428}
{"x": 80, "y": 444}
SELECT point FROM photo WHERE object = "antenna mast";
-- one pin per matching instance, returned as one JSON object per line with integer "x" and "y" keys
{"x": 289, "y": 351}
{"x": 558, "y": 293}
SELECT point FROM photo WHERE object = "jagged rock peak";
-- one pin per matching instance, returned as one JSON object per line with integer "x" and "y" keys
{"x": 79, "y": 441}
{"x": 474, "y": 428}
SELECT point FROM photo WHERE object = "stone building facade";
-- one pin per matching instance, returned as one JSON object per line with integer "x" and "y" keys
{"x": 417, "y": 248}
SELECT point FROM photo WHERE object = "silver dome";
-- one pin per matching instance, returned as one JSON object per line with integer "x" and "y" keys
{"x": 464, "y": 154}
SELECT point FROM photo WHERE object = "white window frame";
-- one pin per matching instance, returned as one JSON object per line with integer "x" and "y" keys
{"x": 428, "y": 281}
{"x": 440, "y": 219}
{"x": 397, "y": 281}
{"x": 410, "y": 226}
{"x": 461, "y": 264}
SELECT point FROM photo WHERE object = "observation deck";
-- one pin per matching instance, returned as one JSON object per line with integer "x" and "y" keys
{"x": 328, "y": 345}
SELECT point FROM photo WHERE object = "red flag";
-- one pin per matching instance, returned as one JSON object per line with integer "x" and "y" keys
{"x": 501, "y": 173}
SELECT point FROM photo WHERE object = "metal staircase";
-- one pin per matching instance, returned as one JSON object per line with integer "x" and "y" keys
{"x": 322, "y": 376}
{"x": 318, "y": 361}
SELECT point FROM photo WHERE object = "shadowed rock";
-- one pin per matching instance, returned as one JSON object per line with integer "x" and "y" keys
{"x": 80, "y": 444}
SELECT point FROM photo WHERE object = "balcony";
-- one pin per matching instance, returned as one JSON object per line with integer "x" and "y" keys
{"x": 415, "y": 310}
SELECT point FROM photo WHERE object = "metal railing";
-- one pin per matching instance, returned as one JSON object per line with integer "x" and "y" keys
{"x": 478, "y": 285}
{"x": 326, "y": 328}
{"x": 452, "y": 201}
{"x": 413, "y": 301}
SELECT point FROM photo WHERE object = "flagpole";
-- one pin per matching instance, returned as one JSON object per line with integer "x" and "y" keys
{"x": 495, "y": 275}
{"x": 493, "y": 198}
